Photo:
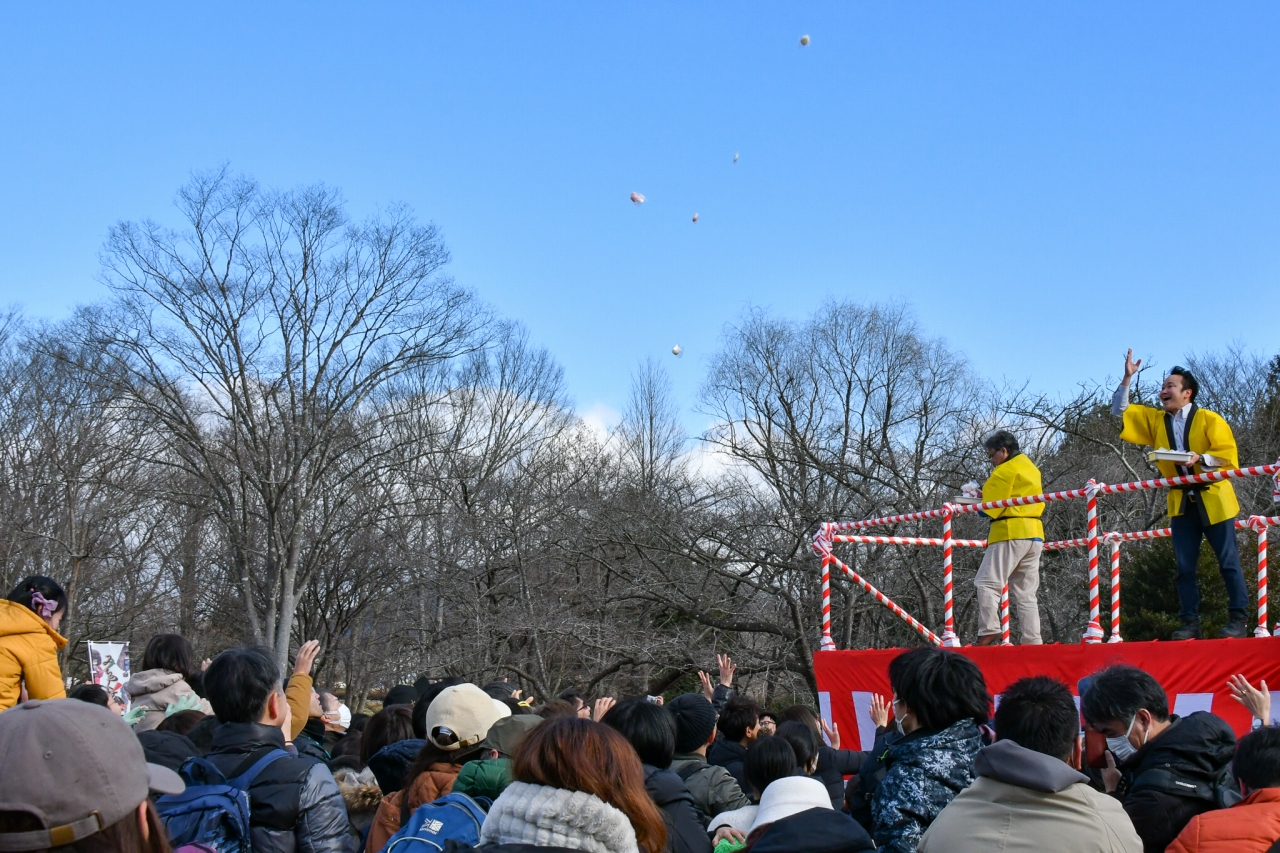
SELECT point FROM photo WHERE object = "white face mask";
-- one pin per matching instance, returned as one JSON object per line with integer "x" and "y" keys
{"x": 1120, "y": 747}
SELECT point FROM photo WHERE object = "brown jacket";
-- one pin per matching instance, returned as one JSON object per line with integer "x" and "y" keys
{"x": 28, "y": 653}
{"x": 435, "y": 782}
{"x": 1250, "y": 826}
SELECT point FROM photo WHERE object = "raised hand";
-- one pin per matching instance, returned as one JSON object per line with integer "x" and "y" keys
{"x": 306, "y": 658}
{"x": 879, "y": 711}
{"x": 603, "y": 704}
{"x": 727, "y": 669}
{"x": 707, "y": 689}
{"x": 1130, "y": 366}
{"x": 1110, "y": 774}
{"x": 1256, "y": 699}
{"x": 831, "y": 731}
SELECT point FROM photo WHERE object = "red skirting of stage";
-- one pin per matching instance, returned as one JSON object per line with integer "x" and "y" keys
{"x": 1193, "y": 673}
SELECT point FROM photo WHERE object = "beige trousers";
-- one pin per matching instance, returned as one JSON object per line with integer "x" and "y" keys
{"x": 1017, "y": 563}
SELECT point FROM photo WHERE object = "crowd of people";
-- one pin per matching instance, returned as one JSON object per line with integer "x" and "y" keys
{"x": 232, "y": 755}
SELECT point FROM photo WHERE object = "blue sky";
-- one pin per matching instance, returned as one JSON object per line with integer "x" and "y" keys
{"x": 1046, "y": 184}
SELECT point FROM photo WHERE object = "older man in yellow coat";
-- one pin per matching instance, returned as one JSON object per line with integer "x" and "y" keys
{"x": 1014, "y": 543}
{"x": 1195, "y": 512}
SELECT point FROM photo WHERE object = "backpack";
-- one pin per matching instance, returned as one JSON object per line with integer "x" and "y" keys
{"x": 213, "y": 810}
{"x": 1222, "y": 792}
{"x": 453, "y": 817}
{"x": 689, "y": 769}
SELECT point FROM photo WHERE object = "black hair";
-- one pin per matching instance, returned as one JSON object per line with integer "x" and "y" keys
{"x": 768, "y": 760}
{"x": 800, "y": 714}
{"x": 358, "y": 722}
{"x": 650, "y": 728}
{"x": 171, "y": 652}
{"x": 803, "y": 742}
{"x": 94, "y": 694}
{"x": 47, "y": 587}
{"x": 420, "y": 684}
{"x": 500, "y": 690}
{"x": 424, "y": 701}
{"x": 202, "y": 733}
{"x": 1039, "y": 714}
{"x": 737, "y": 716}
{"x": 401, "y": 694}
{"x": 1117, "y": 693}
{"x": 1257, "y": 762}
{"x": 1189, "y": 381}
{"x": 572, "y": 695}
{"x": 181, "y": 722}
{"x": 1002, "y": 439}
{"x": 940, "y": 687}
{"x": 239, "y": 683}
{"x": 388, "y": 726}
{"x": 195, "y": 680}
{"x": 328, "y": 694}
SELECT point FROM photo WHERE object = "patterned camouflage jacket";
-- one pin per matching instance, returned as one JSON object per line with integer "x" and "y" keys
{"x": 925, "y": 772}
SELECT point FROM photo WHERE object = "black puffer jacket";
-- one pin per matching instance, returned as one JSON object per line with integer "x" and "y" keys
{"x": 813, "y": 831}
{"x": 685, "y": 832}
{"x": 168, "y": 749}
{"x": 1195, "y": 750}
{"x": 833, "y": 766}
{"x": 294, "y": 804}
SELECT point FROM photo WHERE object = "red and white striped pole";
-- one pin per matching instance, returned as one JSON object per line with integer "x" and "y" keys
{"x": 1115, "y": 589}
{"x": 1259, "y": 524}
{"x": 1004, "y": 617}
{"x": 1093, "y": 633}
{"x": 824, "y": 535}
{"x": 949, "y": 637}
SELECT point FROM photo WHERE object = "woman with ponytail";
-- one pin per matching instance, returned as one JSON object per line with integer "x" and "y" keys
{"x": 29, "y": 641}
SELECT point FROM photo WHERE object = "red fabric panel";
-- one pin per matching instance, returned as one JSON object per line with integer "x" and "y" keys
{"x": 1198, "y": 666}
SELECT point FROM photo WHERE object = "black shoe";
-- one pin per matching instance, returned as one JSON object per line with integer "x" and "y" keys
{"x": 1190, "y": 630}
{"x": 1237, "y": 627}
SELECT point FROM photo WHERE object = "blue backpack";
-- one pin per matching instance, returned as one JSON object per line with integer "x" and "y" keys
{"x": 453, "y": 817}
{"x": 213, "y": 810}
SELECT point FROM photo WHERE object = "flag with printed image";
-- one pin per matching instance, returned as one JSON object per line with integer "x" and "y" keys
{"x": 109, "y": 667}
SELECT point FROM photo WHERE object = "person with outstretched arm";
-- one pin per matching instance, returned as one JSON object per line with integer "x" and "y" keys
{"x": 1205, "y": 511}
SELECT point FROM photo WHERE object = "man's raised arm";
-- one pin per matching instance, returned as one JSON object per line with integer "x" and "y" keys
{"x": 1120, "y": 399}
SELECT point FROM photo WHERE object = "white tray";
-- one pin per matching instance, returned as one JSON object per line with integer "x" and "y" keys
{"x": 966, "y": 501}
{"x": 1178, "y": 457}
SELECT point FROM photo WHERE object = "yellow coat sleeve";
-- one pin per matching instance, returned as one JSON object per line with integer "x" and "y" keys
{"x": 298, "y": 694}
{"x": 41, "y": 673}
{"x": 1222, "y": 443}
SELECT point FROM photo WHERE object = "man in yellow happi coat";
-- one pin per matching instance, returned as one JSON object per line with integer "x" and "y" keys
{"x": 1206, "y": 511}
{"x": 1014, "y": 543}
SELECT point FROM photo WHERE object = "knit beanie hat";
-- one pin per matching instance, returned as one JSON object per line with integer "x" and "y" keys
{"x": 695, "y": 720}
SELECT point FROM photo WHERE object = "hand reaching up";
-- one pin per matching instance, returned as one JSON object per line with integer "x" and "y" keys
{"x": 1256, "y": 699}
{"x": 306, "y": 658}
{"x": 727, "y": 669}
{"x": 831, "y": 731}
{"x": 879, "y": 711}
{"x": 1130, "y": 366}
{"x": 707, "y": 689}
{"x": 603, "y": 704}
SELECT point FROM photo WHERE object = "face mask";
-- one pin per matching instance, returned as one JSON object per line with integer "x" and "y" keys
{"x": 1120, "y": 746}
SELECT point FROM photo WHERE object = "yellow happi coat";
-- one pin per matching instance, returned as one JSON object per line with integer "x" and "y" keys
{"x": 1208, "y": 433}
{"x": 1017, "y": 477}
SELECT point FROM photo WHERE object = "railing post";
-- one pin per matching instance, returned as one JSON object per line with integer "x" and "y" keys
{"x": 1093, "y": 633}
{"x": 1115, "y": 589}
{"x": 826, "y": 644}
{"x": 1259, "y": 524}
{"x": 1004, "y": 617}
{"x": 949, "y": 637}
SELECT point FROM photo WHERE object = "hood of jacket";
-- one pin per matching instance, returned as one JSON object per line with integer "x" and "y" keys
{"x": 816, "y": 830}
{"x": 16, "y": 619}
{"x": 664, "y": 787}
{"x": 360, "y": 791}
{"x": 556, "y": 817}
{"x": 1199, "y": 744}
{"x": 938, "y": 752}
{"x": 391, "y": 763}
{"x": 485, "y": 778}
{"x": 151, "y": 681}
{"x": 1006, "y": 761}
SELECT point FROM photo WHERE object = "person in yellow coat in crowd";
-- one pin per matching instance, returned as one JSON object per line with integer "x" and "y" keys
{"x": 29, "y": 641}
{"x": 1195, "y": 512}
{"x": 1014, "y": 543}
